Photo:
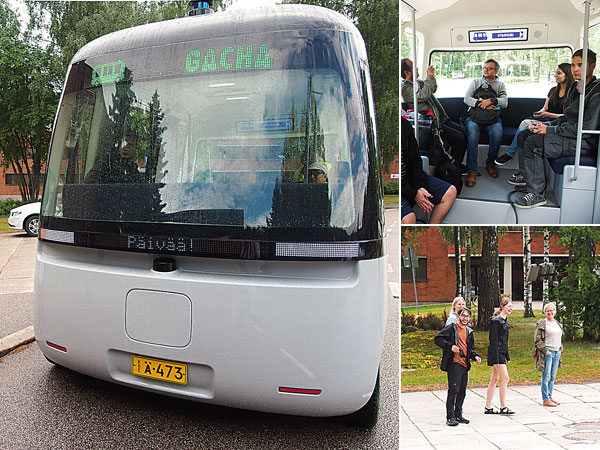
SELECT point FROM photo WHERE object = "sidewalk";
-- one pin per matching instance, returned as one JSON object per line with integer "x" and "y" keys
{"x": 574, "y": 424}
{"x": 17, "y": 267}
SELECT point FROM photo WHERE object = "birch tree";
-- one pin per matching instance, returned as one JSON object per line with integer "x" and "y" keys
{"x": 527, "y": 301}
{"x": 546, "y": 293}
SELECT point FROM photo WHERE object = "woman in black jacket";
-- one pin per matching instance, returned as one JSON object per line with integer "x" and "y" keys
{"x": 419, "y": 188}
{"x": 498, "y": 357}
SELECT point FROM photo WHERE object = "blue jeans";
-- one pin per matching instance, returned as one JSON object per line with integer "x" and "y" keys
{"x": 512, "y": 149}
{"x": 494, "y": 131}
{"x": 551, "y": 362}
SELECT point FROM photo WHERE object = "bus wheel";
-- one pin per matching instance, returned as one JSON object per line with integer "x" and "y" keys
{"x": 366, "y": 417}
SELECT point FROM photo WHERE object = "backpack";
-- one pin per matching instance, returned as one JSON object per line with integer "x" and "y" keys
{"x": 484, "y": 116}
{"x": 446, "y": 167}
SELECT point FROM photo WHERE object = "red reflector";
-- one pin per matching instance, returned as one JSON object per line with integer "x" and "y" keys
{"x": 290, "y": 390}
{"x": 56, "y": 346}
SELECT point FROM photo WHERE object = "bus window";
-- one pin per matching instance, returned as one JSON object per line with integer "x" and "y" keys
{"x": 526, "y": 73}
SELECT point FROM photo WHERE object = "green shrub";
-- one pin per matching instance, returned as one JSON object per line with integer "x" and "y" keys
{"x": 391, "y": 187}
{"x": 7, "y": 205}
{"x": 430, "y": 322}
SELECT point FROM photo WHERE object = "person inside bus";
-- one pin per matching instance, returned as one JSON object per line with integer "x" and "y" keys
{"x": 553, "y": 109}
{"x": 494, "y": 101}
{"x": 120, "y": 168}
{"x": 453, "y": 132}
{"x": 430, "y": 194}
{"x": 317, "y": 173}
{"x": 558, "y": 138}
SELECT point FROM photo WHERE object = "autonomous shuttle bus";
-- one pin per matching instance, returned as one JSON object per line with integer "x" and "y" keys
{"x": 528, "y": 40}
{"x": 212, "y": 219}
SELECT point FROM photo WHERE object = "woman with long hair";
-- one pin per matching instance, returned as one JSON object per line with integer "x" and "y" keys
{"x": 498, "y": 357}
{"x": 457, "y": 304}
{"x": 552, "y": 109}
{"x": 548, "y": 343}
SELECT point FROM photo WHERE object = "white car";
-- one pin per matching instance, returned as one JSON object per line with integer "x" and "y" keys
{"x": 25, "y": 217}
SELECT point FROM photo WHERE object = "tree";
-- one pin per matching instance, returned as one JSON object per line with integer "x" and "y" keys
{"x": 489, "y": 293}
{"x": 377, "y": 21}
{"x": 457, "y": 264}
{"x": 451, "y": 236}
{"x": 28, "y": 101}
{"x": 545, "y": 295}
{"x": 578, "y": 291}
{"x": 71, "y": 25}
{"x": 527, "y": 299}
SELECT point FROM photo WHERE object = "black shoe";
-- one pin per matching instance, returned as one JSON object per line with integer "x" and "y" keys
{"x": 451, "y": 422}
{"x": 506, "y": 411}
{"x": 504, "y": 159}
{"x": 461, "y": 419}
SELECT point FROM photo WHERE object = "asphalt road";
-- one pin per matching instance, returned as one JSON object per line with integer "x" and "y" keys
{"x": 46, "y": 407}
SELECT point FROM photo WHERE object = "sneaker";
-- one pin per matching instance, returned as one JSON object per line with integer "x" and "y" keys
{"x": 461, "y": 419}
{"x": 451, "y": 422}
{"x": 530, "y": 200}
{"x": 516, "y": 179}
{"x": 504, "y": 159}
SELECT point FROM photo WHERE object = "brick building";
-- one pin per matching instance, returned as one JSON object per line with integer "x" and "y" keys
{"x": 9, "y": 183}
{"x": 436, "y": 278}
{"x": 393, "y": 172}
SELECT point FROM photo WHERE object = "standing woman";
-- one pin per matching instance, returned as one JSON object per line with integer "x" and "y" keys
{"x": 498, "y": 357}
{"x": 457, "y": 304}
{"x": 548, "y": 342}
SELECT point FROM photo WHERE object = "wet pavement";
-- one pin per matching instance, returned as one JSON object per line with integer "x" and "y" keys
{"x": 574, "y": 424}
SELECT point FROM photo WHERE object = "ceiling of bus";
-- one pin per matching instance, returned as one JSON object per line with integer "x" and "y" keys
{"x": 560, "y": 22}
{"x": 424, "y": 7}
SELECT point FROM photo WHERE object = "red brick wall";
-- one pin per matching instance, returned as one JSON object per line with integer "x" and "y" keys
{"x": 441, "y": 276}
{"x": 394, "y": 169}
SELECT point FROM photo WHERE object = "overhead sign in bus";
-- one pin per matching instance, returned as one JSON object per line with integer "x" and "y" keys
{"x": 512, "y": 34}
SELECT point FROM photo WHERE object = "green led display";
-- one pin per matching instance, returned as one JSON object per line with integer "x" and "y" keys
{"x": 231, "y": 58}
{"x": 108, "y": 73}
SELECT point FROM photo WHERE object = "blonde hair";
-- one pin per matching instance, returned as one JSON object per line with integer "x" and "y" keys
{"x": 504, "y": 300}
{"x": 455, "y": 301}
{"x": 549, "y": 304}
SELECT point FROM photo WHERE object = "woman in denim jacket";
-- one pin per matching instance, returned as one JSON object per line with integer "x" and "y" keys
{"x": 548, "y": 343}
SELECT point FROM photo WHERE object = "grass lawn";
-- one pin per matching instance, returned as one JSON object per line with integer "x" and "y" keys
{"x": 4, "y": 225}
{"x": 580, "y": 359}
{"x": 391, "y": 199}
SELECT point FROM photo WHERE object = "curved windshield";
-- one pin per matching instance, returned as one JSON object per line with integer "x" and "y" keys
{"x": 256, "y": 140}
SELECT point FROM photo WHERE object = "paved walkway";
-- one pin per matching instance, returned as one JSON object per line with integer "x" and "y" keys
{"x": 574, "y": 424}
{"x": 17, "y": 263}
{"x": 17, "y": 267}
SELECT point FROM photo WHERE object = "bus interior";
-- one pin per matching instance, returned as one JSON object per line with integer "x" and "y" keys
{"x": 528, "y": 40}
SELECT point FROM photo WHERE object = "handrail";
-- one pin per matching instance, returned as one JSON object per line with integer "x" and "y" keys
{"x": 413, "y": 20}
{"x": 581, "y": 86}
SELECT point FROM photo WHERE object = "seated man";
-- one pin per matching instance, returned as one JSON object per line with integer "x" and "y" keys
{"x": 494, "y": 129}
{"x": 559, "y": 137}
{"x": 428, "y": 193}
{"x": 453, "y": 132}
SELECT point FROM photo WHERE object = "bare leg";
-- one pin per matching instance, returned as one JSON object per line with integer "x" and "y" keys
{"x": 441, "y": 210}
{"x": 409, "y": 219}
{"x": 504, "y": 379}
{"x": 492, "y": 387}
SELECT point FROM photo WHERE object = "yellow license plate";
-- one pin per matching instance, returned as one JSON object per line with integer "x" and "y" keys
{"x": 159, "y": 369}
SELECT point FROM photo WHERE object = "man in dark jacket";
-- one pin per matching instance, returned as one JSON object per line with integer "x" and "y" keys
{"x": 430, "y": 194}
{"x": 559, "y": 137}
{"x": 458, "y": 344}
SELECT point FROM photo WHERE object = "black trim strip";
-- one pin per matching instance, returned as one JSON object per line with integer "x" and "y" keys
{"x": 218, "y": 248}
